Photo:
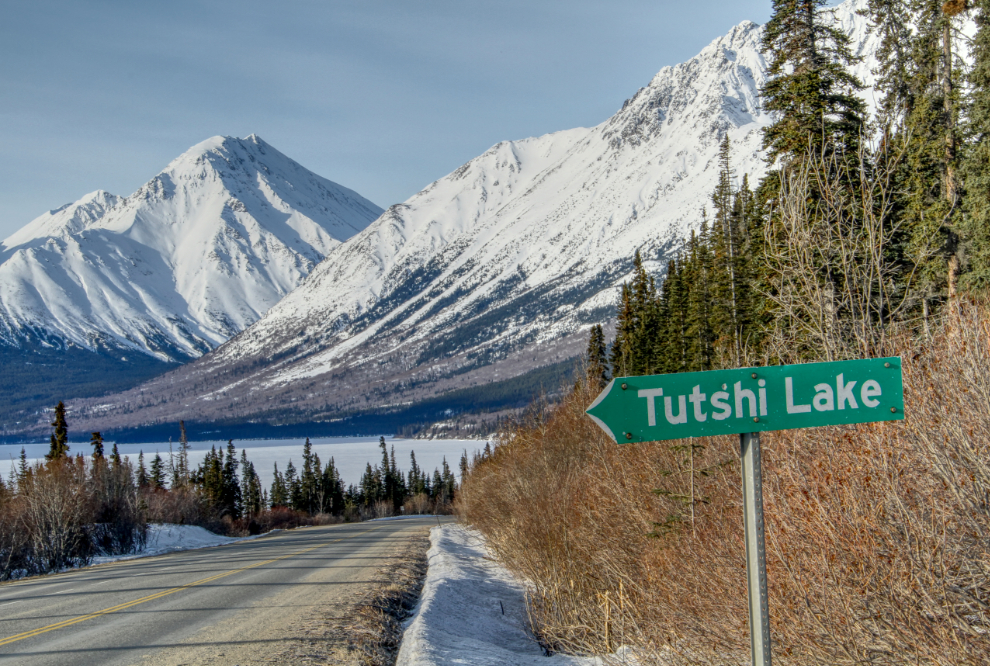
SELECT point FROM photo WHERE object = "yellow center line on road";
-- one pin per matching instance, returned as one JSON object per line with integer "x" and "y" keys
{"x": 164, "y": 593}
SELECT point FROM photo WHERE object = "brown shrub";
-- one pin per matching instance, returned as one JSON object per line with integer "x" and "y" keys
{"x": 878, "y": 535}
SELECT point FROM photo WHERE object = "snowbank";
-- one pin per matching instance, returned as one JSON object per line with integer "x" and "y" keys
{"x": 165, "y": 538}
{"x": 472, "y": 611}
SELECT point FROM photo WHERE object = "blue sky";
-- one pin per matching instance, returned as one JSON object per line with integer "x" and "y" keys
{"x": 381, "y": 96}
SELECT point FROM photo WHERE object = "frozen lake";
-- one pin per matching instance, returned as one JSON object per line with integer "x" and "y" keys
{"x": 350, "y": 454}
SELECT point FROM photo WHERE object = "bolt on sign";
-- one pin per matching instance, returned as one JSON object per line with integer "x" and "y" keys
{"x": 747, "y": 401}
{"x": 726, "y": 402}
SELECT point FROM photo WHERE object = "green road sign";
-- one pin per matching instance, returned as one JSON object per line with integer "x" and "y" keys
{"x": 724, "y": 402}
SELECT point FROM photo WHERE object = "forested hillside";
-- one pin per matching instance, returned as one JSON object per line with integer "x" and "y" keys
{"x": 869, "y": 236}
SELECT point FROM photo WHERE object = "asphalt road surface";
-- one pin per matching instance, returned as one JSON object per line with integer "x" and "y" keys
{"x": 230, "y": 604}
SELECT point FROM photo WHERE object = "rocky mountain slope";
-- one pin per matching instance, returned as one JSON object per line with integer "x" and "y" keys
{"x": 192, "y": 258}
{"x": 493, "y": 271}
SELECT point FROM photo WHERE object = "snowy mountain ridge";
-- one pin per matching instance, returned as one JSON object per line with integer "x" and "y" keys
{"x": 193, "y": 257}
{"x": 498, "y": 268}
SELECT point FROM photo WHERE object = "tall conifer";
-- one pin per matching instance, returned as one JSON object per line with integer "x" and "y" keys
{"x": 809, "y": 86}
{"x": 975, "y": 226}
{"x": 59, "y": 448}
{"x": 596, "y": 363}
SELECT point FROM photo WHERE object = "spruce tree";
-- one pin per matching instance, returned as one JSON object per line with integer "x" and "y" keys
{"x": 975, "y": 225}
{"x": 809, "y": 87}
{"x": 308, "y": 481}
{"x": 625, "y": 330}
{"x": 730, "y": 281}
{"x": 230, "y": 499}
{"x": 96, "y": 441}
{"x": 891, "y": 20}
{"x": 700, "y": 332}
{"x": 22, "y": 469}
{"x": 157, "y": 472}
{"x": 279, "y": 495}
{"x": 596, "y": 361}
{"x": 59, "y": 449}
{"x": 182, "y": 463}
{"x": 416, "y": 476}
{"x": 142, "y": 472}
{"x": 293, "y": 488}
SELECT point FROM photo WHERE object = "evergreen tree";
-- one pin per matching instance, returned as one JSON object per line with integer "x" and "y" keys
{"x": 927, "y": 179}
{"x": 975, "y": 225}
{"x": 230, "y": 499}
{"x": 438, "y": 487}
{"x": 417, "y": 479}
{"x": 279, "y": 495}
{"x": 370, "y": 489}
{"x": 809, "y": 88}
{"x": 309, "y": 480}
{"x": 251, "y": 492}
{"x": 210, "y": 478}
{"x": 60, "y": 438}
{"x": 700, "y": 332}
{"x": 596, "y": 361}
{"x": 332, "y": 490}
{"x": 730, "y": 261}
{"x": 891, "y": 20}
{"x": 22, "y": 469}
{"x": 157, "y": 472}
{"x": 115, "y": 459}
{"x": 181, "y": 467}
{"x": 142, "y": 472}
{"x": 625, "y": 330}
{"x": 293, "y": 487}
{"x": 96, "y": 441}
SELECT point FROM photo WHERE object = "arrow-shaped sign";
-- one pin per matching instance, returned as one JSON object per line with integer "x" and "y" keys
{"x": 724, "y": 402}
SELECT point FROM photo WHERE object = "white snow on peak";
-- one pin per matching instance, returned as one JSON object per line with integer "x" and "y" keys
{"x": 69, "y": 219}
{"x": 555, "y": 217}
{"x": 193, "y": 257}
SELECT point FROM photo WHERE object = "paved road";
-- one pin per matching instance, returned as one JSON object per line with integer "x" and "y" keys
{"x": 228, "y": 604}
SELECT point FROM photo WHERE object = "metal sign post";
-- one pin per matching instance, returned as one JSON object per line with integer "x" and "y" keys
{"x": 746, "y": 401}
{"x": 756, "y": 561}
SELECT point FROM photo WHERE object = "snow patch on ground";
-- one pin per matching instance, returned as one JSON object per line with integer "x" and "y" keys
{"x": 460, "y": 617}
{"x": 166, "y": 538}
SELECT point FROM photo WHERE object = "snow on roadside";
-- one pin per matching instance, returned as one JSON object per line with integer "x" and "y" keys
{"x": 460, "y": 617}
{"x": 166, "y": 538}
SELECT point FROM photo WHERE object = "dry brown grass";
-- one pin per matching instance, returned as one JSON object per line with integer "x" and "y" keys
{"x": 878, "y": 535}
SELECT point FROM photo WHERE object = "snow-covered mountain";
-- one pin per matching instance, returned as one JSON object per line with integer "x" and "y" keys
{"x": 193, "y": 257}
{"x": 498, "y": 267}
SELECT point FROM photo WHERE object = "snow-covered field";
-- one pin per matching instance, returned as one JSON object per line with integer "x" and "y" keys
{"x": 169, "y": 538}
{"x": 472, "y": 610}
{"x": 350, "y": 454}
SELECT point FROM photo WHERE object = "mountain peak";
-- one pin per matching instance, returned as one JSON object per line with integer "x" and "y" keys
{"x": 500, "y": 266}
{"x": 193, "y": 257}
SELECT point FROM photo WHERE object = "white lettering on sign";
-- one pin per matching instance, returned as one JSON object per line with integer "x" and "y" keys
{"x": 719, "y": 402}
{"x": 681, "y": 417}
{"x": 844, "y": 392}
{"x": 870, "y": 389}
{"x": 824, "y": 401}
{"x": 651, "y": 407}
{"x": 828, "y": 398}
{"x": 740, "y": 395}
{"x": 696, "y": 398}
{"x": 789, "y": 395}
